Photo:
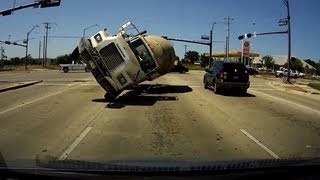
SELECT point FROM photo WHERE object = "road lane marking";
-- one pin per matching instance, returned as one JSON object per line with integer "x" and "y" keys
{"x": 286, "y": 101}
{"x": 35, "y": 100}
{"x": 274, "y": 155}
{"x": 65, "y": 154}
{"x": 20, "y": 105}
{"x": 261, "y": 89}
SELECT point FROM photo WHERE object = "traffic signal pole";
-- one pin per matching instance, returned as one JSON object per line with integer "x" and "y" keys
{"x": 286, "y": 2}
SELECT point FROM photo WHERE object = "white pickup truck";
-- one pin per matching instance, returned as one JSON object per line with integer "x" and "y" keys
{"x": 74, "y": 67}
{"x": 284, "y": 72}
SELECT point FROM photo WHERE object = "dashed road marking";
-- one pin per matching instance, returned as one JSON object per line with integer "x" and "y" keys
{"x": 65, "y": 154}
{"x": 274, "y": 155}
{"x": 287, "y": 101}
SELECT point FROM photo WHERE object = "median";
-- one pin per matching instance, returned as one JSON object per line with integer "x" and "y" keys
{"x": 7, "y": 86}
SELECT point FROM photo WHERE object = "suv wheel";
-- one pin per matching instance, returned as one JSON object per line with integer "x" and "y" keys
{"x": 280, "y": 75}
{"x": 215, "y": 88}
{"x": 65, "y": 69}
{"x": 86, "y": 69}
{"x": 205, "y": 84}
{"x": 243, "y": 92}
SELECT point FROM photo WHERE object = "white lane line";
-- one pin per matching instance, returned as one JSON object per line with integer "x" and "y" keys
{"x": 20, "y": 105}
{"x": 260, "y": 144}
{"x": 65, "y": 154}
{"x": 286, "y": 101}
{"x": 261, "y": 89}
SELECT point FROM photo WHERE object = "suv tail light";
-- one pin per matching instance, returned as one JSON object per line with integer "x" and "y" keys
{"x": 223, "y": 75}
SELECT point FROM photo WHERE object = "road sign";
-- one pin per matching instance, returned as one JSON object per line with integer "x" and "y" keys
{"x": 246, "y": 47}
{"x": 204, "y": 37}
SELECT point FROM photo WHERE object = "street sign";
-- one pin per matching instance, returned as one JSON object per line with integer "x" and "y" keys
{"x": 204, "y": 37}
{"x": 246, "y": 47}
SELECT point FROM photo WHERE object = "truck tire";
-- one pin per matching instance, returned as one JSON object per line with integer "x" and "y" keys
{"x": 65, "y": 69}
{"x": 295, "y": 77}
{"x": 280, "y": 75}
{"x": 86, "y": 69}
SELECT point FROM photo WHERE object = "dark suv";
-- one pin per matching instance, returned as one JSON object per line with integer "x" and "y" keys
{"x": 227, "y": 75}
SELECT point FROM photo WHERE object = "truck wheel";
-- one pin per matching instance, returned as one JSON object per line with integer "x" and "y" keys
{"x": 109, "y": 97}
{"x": 65, "y": 69}
{"x": 86, "y": 69}
{"x": 295, "y": 76}
{"x": 280, "y": 75}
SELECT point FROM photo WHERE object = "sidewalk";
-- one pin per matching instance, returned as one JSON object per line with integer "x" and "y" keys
{"x": 296, "y": 86}
{"x": 7, "y": 86}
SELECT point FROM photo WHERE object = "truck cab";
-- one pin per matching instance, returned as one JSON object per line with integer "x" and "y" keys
{"x": 120, "y": 61}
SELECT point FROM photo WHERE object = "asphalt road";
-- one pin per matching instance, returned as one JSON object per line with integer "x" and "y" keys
{"x": 66, "y": 117}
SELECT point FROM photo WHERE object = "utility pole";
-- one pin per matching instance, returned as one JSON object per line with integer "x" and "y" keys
{"x": 43, "y": 49}
{"x": 39, "y": 51}
{"x": 185, "y": 51}
{"x": 45, "y": 45}
{"x": 27, "y": 46}
{"x": 228, "y": 37}
{"x": 1, "y": 53}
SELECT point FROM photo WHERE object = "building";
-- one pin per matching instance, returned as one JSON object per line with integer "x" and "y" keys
{"x": 234, "y": 56}
{"x": 280, "y": 60}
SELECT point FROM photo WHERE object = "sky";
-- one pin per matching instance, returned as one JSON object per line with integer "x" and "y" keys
{"x": 185, "y": 19}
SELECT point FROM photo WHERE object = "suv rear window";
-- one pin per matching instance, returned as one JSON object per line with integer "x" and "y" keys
{"x": 230, "y": 67}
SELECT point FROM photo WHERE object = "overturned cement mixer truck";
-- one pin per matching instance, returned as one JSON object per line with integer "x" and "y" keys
{"x": 122, "y": 61}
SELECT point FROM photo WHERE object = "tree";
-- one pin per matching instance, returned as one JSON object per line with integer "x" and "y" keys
{"x": 268, "y": 61}
{"x": 204, "y": 60}
{"x": 296, "y": 64}
{"x": 312, "y": 63}
{"x": 62, "y": 59}
{"x": 193, "y": 56}
{"x": 16, "y": 61}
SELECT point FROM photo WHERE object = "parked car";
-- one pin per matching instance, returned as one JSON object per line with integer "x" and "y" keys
{"x": 315, "y": 76}
{"x": 74, "y": 67}
{"x": 179, "y": 68}
{"x": 284, "y": 72}
{"x": 227, "y": 76}
{"x": 301, "y": 75}
{"x": 252, "y": 71}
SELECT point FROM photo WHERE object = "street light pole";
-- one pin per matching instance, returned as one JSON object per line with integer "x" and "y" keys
{"x": 27, "y": 45}
{"x": 84, "y": 30}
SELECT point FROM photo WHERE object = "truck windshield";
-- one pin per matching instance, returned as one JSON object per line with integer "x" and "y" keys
{"x": 142, "y": 54}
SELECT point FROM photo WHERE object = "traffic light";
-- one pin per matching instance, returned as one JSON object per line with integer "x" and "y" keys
{"x": 248, "y": 35}
{"x": 6, "y": 13}
{"x": 49, "y": 3}
{"x": 7, "y": 42}
{"x": 241, "y": 37}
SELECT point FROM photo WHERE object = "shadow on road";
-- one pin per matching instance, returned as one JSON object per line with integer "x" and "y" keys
{"x": 161, "y": 89}
{"x": 236, "y": 94}
{"x": 145, "y": 95}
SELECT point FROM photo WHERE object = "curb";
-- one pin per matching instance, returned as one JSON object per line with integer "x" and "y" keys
{"x": 20, "y": 86}
{"x": 293, "y": 90}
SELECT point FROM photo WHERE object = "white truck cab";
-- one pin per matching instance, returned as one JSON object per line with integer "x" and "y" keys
{"x": 120, "y": 61}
